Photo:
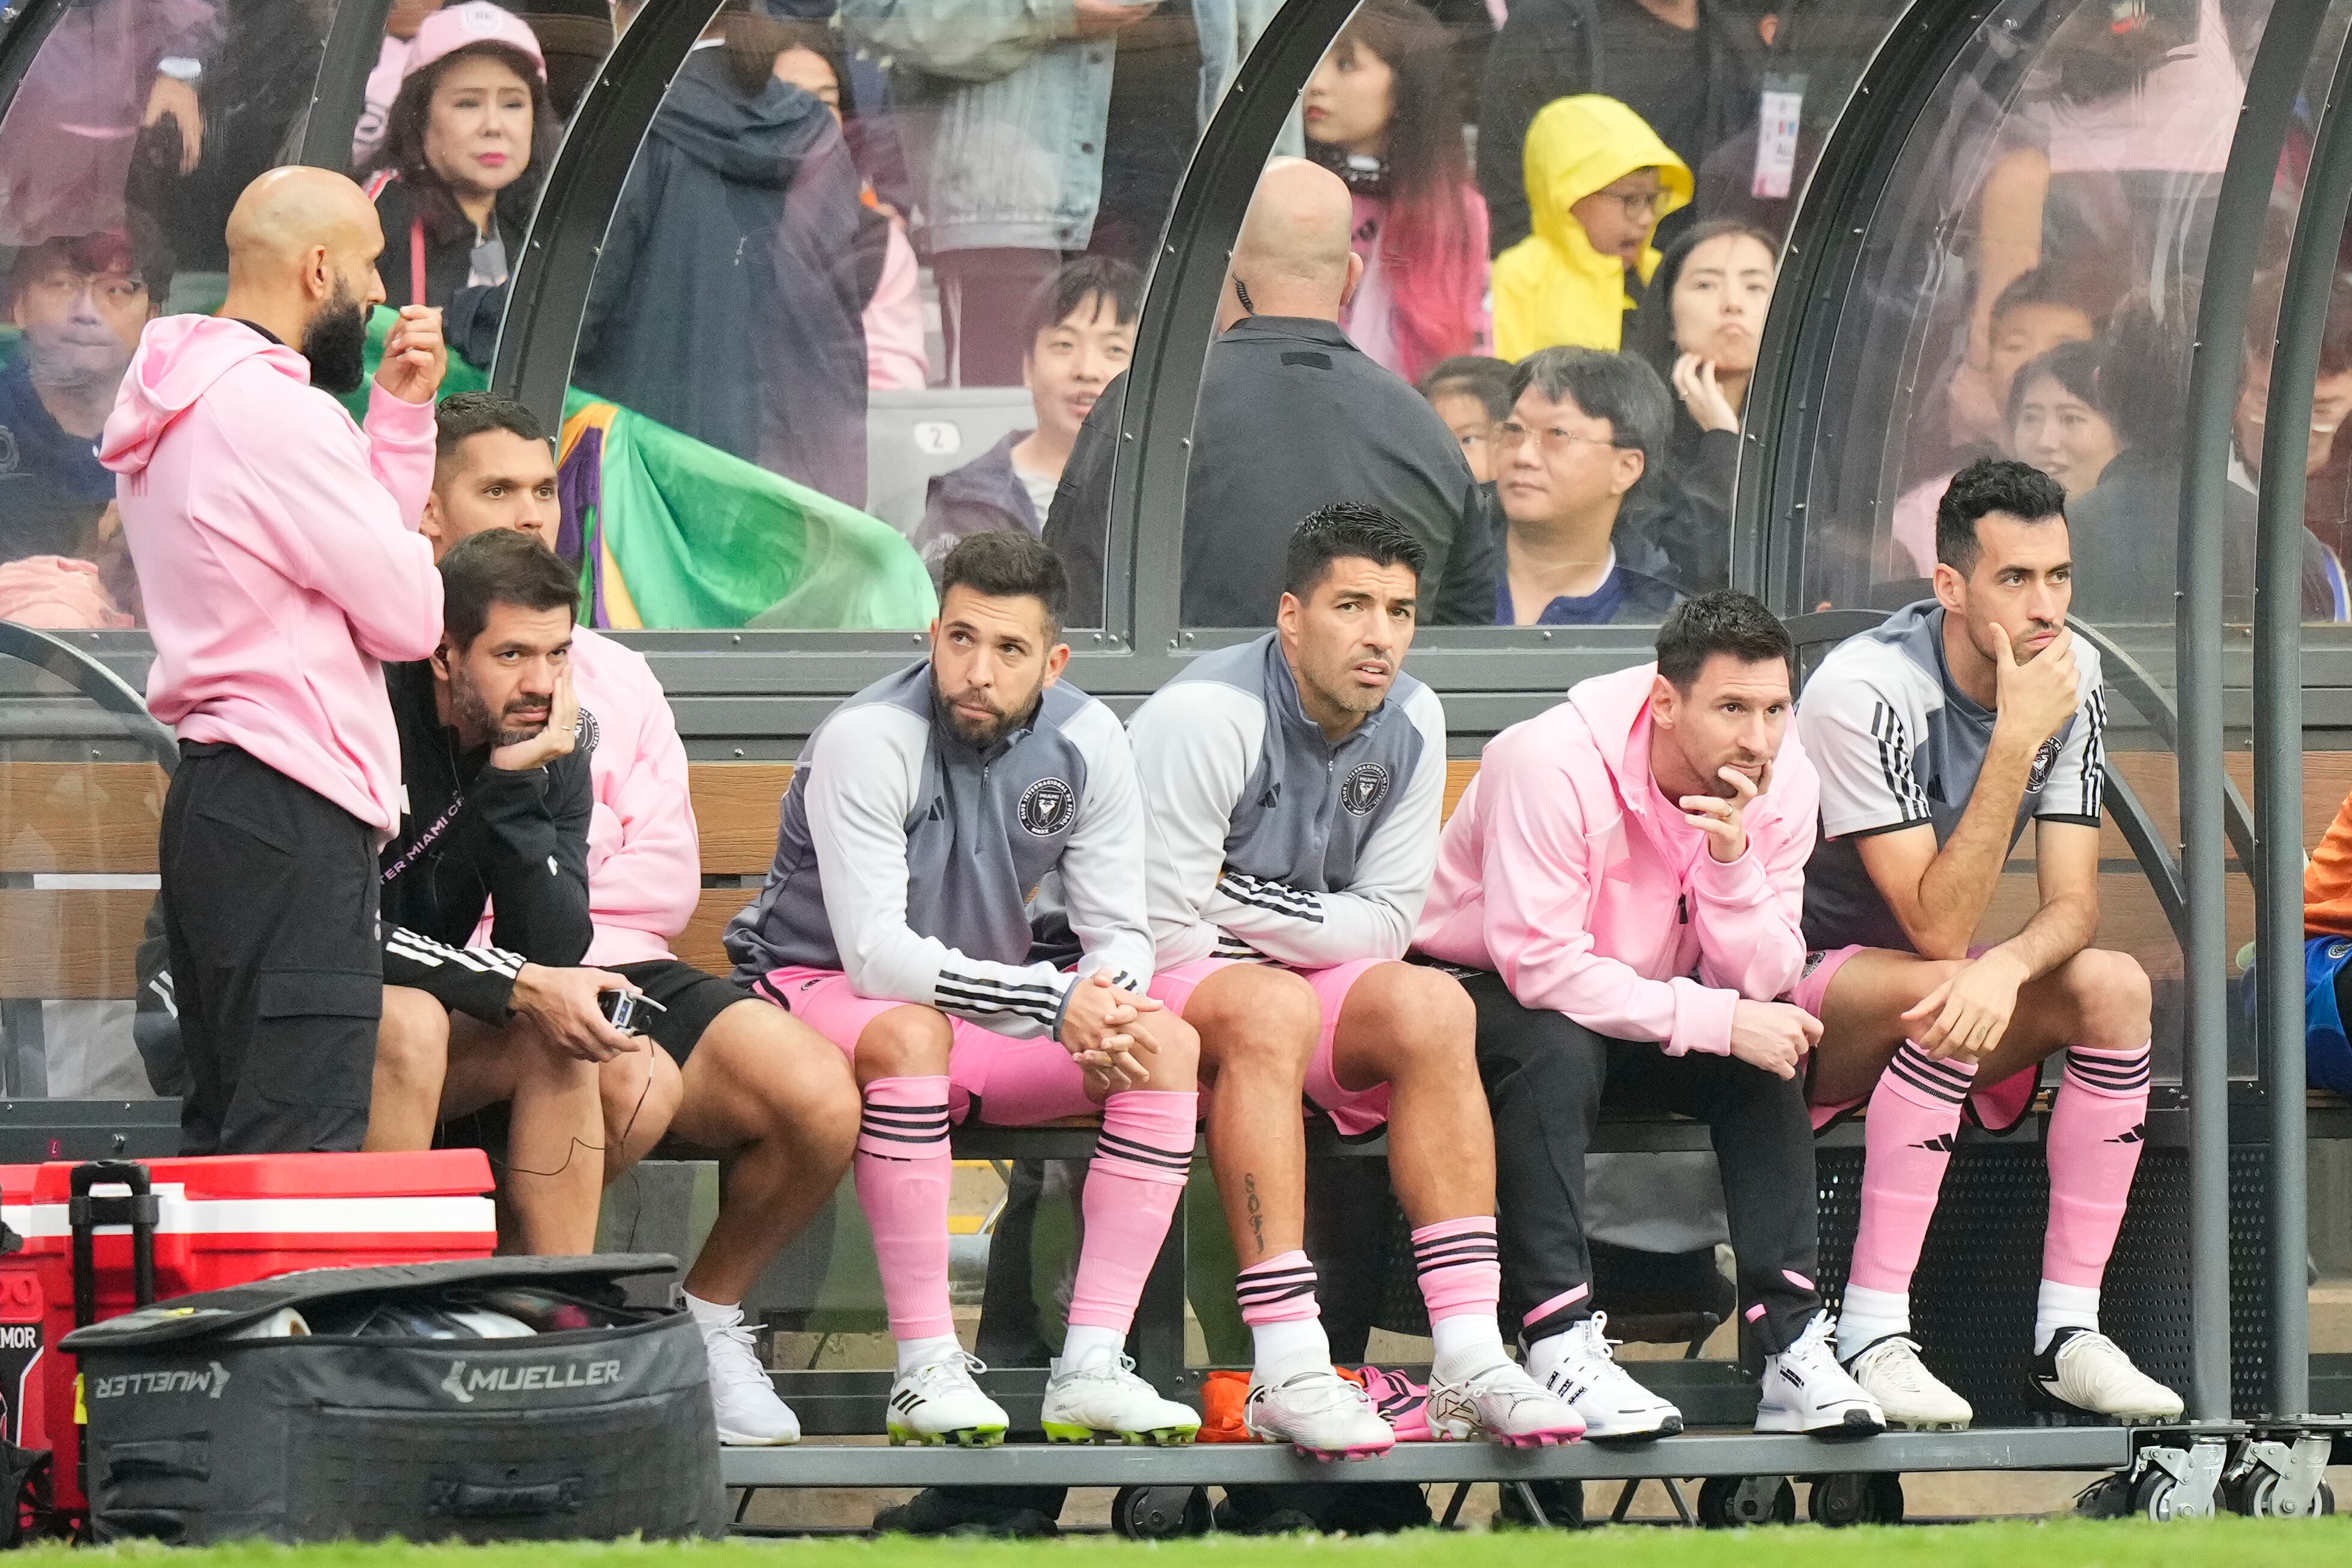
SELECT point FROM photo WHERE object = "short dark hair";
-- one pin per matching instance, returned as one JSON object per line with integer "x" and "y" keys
{"x": 1991, "y": 484}
{"x": 500, "y": 566}
{"x": 2080, "y": 368}
{"x": 461, "y": 416}
{"x": 1723, "y": 622}
{"x": 1087, "y": 278}
{"x": 1471, "y": 375}
{"x": 136, "y": 249}
{"x": 1346, "y": 529}
{"x": 1005, "y": 564}
{"x": 1619, "y": 388}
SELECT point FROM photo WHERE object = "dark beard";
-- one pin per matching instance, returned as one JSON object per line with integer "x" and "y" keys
{"x": 470, "y": 715}
{"x": 336, "y": 343}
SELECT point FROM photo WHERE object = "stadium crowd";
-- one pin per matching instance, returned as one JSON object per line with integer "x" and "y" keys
{"x": 852, "y": 220}
{"x": 1483, "y": 354}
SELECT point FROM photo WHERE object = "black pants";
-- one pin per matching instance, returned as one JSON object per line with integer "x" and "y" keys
{"x": 1547, "y": 1078}
{"x": 269, "y": 906}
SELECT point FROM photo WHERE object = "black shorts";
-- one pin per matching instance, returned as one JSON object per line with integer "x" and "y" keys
{"x": 691, "y": 1001}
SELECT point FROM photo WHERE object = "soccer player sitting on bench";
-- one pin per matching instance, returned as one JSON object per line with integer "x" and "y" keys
{"x": 1625, "y": 875}
{"x": 1294, "y": 784}
{"x": 957, "y": 902}
{"x": 733, "y": 1072}
{"x": 1938, "y": 737}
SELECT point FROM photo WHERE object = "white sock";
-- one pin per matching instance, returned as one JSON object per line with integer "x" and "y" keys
{"x": 1467, "y": 1343}
{"x": 920, "y": 1353}
{"x": 1285, "y": 1349}
{"x": 1867, "y": 1316}
{"x": 710, "y": 1315}
{"x": 2064, "y": 1307}
{"x": 1084, "y": 1343}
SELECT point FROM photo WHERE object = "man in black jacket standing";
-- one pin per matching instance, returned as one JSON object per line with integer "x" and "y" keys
{"x": 497, "y": 800}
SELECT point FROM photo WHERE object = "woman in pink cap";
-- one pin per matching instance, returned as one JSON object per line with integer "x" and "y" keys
{"x": 463, "y": 144}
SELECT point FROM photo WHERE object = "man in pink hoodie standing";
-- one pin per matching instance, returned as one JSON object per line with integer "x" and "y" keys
{"x": 276, "y": 543}
{"x": 1625, "y": 877}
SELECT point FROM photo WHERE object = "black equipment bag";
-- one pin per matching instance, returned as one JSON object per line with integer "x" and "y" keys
{"x": 597, "y": 1432}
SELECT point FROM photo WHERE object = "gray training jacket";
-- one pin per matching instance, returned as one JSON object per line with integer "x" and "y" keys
{"x": 1266, "y": 841}
{"x": 907, "y": 860}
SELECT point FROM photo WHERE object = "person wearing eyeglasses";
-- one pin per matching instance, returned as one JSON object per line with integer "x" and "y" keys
{"x": 1584, "y": 427}
{"x": 1599, "y": 180}
{"x": 80, "y": 302}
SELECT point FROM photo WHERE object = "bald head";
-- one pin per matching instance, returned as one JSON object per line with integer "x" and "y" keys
{"x": 303, "y": 248}
{"x": 1292, "y": 257}
{"x": 289, "y": 212}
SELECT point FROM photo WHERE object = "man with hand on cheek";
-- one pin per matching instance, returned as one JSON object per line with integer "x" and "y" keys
{"x": 958, "y": 905}
{"x": 1939, "y": 736}
{"x": 277, "y": 548}
{"x": 1623, "y": 879}
{"x": 497, "y": 803}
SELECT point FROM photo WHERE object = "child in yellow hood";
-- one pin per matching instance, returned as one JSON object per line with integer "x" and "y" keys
{"x": 1599, "y": 180}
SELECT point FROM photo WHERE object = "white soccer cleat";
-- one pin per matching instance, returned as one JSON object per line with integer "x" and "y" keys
{"x": 1503, "y": 1404}
{"x": 1105, "y": 1399}
{"x": 2085, "y": 1369}
{"x": 1911, "y": 1396}
{"x": 742, "y": 1397}
{"x": 940, "y": 1403}
{"x": 1320, "y": 1414}
{"x": 1607, "y": 1399}
{"x": 1805, "y": 1390}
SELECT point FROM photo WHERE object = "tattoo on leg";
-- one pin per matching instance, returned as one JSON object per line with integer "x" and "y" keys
{"x": 1257, "y": 1212}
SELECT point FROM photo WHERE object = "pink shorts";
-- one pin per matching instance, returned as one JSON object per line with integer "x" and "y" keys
{"x": 1355, "y": 1112}
{"x": 1996, "y": 1106}
{"x": 992, "y": 1078}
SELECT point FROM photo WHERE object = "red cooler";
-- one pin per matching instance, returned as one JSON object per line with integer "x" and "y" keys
{"x": 215, "y": 1222}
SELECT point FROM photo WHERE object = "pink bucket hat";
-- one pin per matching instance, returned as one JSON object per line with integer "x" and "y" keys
{"x": 455, "y": 27}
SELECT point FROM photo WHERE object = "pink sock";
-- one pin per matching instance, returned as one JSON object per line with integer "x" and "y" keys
{"x": 1461, "y": 1268}
{"x": 2096, "y": 1132}
{"x": 1907, "y": 1140}
{"x": 1279, "y": 1291}
{"x": 902, "y": 1170}
{"x": 1143, "y": 1157}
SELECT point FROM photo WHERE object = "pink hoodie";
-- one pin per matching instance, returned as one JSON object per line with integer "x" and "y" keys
{"x": 645, "y": 863}
{"x": 277, "y": 546}
{"x": 1564, "y": 870}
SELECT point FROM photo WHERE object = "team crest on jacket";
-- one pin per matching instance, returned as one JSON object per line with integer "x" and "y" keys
{"x": 2043, "y": 761}
{"x": 1365, "y": 788}
{"x": 584, "y": 740}
{"x": 1048, "y": 806}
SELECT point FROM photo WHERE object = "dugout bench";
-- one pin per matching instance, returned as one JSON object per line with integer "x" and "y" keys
{"x": 80, "y": 794}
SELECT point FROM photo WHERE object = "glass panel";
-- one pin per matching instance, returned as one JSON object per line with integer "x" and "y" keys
{"x": 2028, "y": 291}
{"x": 1596, "y": 490}
{"x": 80, "y": 801}
{"x": 136, "y": 126}
{"x": 870, "y": 273}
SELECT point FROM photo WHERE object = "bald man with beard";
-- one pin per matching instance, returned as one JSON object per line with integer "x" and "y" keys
{"x": 277, "y": 545}
{"x": 1293, "y": 418}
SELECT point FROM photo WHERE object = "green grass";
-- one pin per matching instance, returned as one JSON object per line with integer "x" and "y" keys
{"x": 2219, "y": 1543}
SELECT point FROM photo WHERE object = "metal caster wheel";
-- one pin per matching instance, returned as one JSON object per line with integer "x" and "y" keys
{"x": 2257, "y": 1495}
{"x": 1729, "y": 1502}
{"x": 1844, "y": 1499}
{"x": 1159, "y": 1513}
{"x": 2157, "y": 1497}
